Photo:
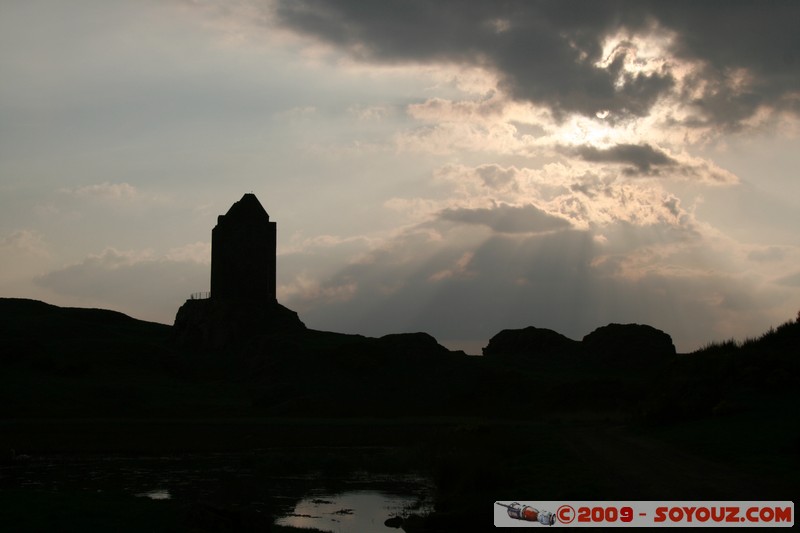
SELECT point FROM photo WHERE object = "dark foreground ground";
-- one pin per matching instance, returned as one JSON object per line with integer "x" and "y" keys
{"x": 471, "y": 463}
{"x": 91, "y": 403}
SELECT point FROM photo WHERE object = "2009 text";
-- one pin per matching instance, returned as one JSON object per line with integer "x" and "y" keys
{"x": 605, "y": 514}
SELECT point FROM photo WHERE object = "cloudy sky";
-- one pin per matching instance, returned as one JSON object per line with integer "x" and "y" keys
{"x": 450, "y": 166}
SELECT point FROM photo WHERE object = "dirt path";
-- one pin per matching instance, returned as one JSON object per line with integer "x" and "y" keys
{"x": 631, "y": 466}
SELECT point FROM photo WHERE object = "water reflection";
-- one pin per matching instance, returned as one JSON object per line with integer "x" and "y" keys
{"x": 265, "y": 483}
{"x": 157, "y": 494}
{"x": 356, "y": 511}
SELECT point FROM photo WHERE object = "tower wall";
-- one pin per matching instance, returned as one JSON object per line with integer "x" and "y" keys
{"x": 243, "y": 250}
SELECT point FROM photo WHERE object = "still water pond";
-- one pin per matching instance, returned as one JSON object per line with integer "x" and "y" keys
{"x": 254, "y": 482}
{"x": 357, "y": 511}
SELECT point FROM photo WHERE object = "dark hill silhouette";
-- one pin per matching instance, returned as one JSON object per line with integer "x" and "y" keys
{"x": 34, "y": 328}
{"x": 104, "y": 362}
{"x": 22, "y": 317}
{"x": 730, "y": 377}
{"x": 716, "y": 424}
{"x": 412, "y": 347}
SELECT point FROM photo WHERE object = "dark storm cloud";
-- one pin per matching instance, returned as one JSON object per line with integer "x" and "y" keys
{"x": 508, "y": 219}
{"x": 545, "y": 51}
{"x": 759, "y": 36}
{"x": 641, "y": 157}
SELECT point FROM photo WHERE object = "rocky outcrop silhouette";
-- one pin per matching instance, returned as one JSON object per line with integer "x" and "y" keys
{"x": 409, "y": 345}
{"x": 531, "y": 341}
{"x": 636, "y": 344}
{"x": 614, "y": 344}
{"x": 214, "y": 323}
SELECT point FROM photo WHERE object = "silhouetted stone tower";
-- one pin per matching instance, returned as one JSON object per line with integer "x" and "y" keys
{"x": 243, "y": 249}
